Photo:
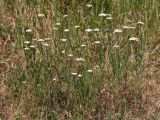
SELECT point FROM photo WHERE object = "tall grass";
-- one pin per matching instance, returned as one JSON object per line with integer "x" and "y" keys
{"x": 66, "y": 61}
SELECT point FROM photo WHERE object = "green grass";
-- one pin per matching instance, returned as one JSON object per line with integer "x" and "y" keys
{"x": 42, "y": 80}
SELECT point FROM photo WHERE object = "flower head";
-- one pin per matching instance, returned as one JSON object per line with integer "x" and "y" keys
{"x": 74, "y": 73}
{"x": 28, "y": 30}
{"x": 88, "y": 5}
{"x": 109, "y": 18}
{"x": 76, "y": 26}
{"x": 83, "y": 45}
{"x": 63, "y": 40}
{"x": 63, "y": 51}
{"x": 58, "y": 24}
{"x": 97, "y": 42}
{"x": 104, "y": 14}
{"x": 46, "y": 44}
{"x": 26, "y": 48}
{"x": 96, "y": 29}
{"x": 89, "y": 70}
{"x": 116, "y": 46}
{"x": 134, "y": 39}
{"x": 41, "y": 15}
{"x": 26, "y": 42}
{"x": 80, "y": 75}
{"x": 88, "y": 30}
{"x": 140, "y": 23}
{"x": 32, "y": 46}
{"x": 117, "y": 31}
{"x": 70, "y": 55}
{"x": 47, "y": 39}
{"x": 80, "y": 59}
{"x": 65, "y": 16}
{"x": 40, "y": 40}
{"x": 66, "y": 30}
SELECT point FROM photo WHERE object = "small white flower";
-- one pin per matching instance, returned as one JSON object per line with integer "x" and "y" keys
{"x": 32, "y": 46}
{"x": 116, "y": 46}
{"x": 109, "y": 18}
{"x": 74, "y": 73}
{"x": 24, "y": 82}
{"x": 103, "y": 14}
{"x": 117, "y": 31}
{"x": 34, "y": 39}
{"x": 85, "y": 37}
{"x": 76, "y": 26}
{"x": 63, "y": 40}
{"x": 97, "y": 42}
{"x": 55, "y": 28}
{"x": 46, "y": 44}
{"x": 26, "y": 42}
{"x": 97, "y": 66}
{"x": 88, "y": 30}
{"x": 80, "y": 75}
{"x": 65, "y": 16}
{"x": 28, "y": 30}
{"x": 88, "y": 5}
{"x": 134, "y": 39}
{"x": 140, "y": 23}
{"x": 54, "y": 79}
{"x": 63, "y": 51}
{"x": 70, "y": 55}
{"x": 26, "y": 48}
{"x": 83, "y": 45}
{"x": 96, "y": 29}
{"x": 80, "y": 59}
{"x": 40, "y": 40}
{"x": 132, "y": 27}
{"x": 66, "y": 30}
{"x": 125, "y": 27}
{"x": 58, "y": 24}
{"x": 47, "y": 39}
{"x": 41, "y": 15}
{"x": 90, "y": 71}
